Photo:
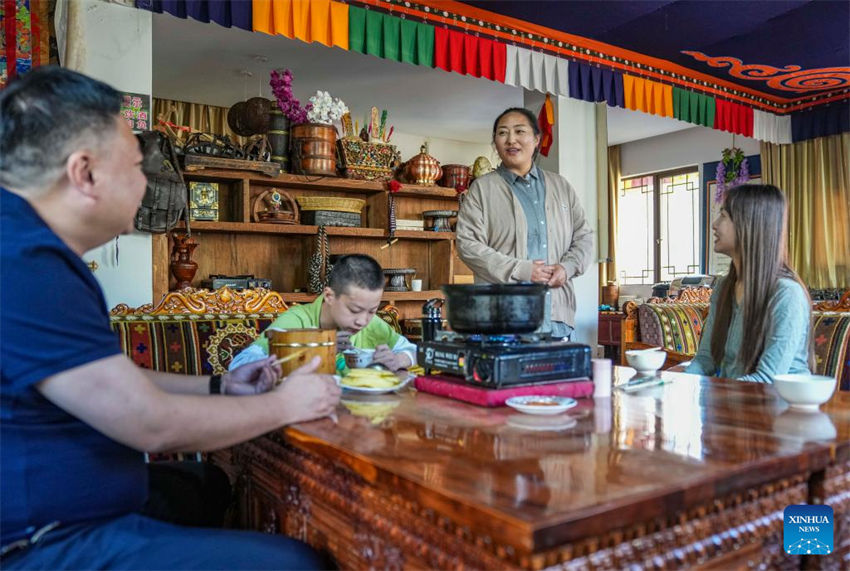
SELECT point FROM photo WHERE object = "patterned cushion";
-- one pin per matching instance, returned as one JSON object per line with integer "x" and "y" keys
{"x": 831, "y": 335}
{"x": 673, "y": 326}
{"x": 189, "y": 345}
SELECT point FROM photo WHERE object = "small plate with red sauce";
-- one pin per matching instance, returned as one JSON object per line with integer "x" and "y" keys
{"x": 540, "y": 404}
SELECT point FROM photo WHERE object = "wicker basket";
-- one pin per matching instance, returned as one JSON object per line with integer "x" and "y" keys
{"x": 367, "y": 161}
{"x": 332, "y": 203}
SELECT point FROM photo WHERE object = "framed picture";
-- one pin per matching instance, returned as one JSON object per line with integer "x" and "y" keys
{"x": 715, "y": 264}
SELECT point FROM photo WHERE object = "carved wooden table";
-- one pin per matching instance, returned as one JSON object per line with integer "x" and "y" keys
{"x": 693, "y": 473}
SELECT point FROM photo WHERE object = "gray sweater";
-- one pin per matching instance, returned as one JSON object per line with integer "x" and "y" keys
{"x": 786, "y": 348}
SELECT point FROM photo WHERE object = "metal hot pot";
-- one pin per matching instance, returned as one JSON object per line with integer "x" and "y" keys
{"x": 495, "y": 308}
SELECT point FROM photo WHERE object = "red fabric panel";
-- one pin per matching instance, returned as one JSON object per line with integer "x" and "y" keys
{"x": 10, "y": 11}
{"x": 733, "y": 117}
{"x": 470, "y": 55}
{"x": 485, "y": 58}
{"x": 441, "y": 48}
{"x": 500, "y": 61}
{"x": 456, "y": 51}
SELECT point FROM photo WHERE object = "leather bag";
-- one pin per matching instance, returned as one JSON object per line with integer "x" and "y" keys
{"x": 165, "y": 200}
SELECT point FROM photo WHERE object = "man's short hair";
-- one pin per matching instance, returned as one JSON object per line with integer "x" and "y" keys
{"x": 356, "y": 270}
{"x": 47, "y": 114}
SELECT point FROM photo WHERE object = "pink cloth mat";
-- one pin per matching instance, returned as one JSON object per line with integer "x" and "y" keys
{"x": 456, "y": 389}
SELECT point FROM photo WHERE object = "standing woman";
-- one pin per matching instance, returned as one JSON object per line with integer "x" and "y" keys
{"x": 521, "y": 223}
{"x": 759, "y": 320}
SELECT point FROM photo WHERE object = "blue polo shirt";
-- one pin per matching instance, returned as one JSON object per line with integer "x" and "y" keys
{"x": 53, "y": 317}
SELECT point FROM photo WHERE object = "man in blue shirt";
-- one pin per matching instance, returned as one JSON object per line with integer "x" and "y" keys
{"x": 76, "y": 413}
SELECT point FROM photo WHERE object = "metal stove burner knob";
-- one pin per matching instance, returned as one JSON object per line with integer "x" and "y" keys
{"x": 482, "y": 370}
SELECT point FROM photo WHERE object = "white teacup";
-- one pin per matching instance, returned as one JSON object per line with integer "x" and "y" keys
{"x": 357, "y": 358}
{"x": 646, "y": 361}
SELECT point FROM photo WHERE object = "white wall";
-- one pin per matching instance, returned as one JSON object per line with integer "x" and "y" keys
{"x": 680, "y": 149}
{"x": 573, "y": 155}
{"x": 117, "y": 50}
{"x": 446, "y": 151}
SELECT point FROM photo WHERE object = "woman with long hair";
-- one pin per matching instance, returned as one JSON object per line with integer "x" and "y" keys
{"x": 759, "y": 319}
{"x": 522, "y": 223}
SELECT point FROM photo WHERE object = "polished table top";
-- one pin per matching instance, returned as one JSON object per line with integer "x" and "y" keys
{"x": 537, "y": 481}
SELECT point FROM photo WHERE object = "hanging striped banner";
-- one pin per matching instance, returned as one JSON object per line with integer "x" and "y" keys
{"x": 830, "y": 119}
{"x": 469, "y": 55}
{"x": 321, "y": 21}
{"x": 591, "y": 83}
{"x": 647, "y": 96}
{"x": 733, "y": 117}
{"x": 227, "y": 13}
{"x": 536, "y": 71}
{"x": 771, "y": 128}
{"x": 693, "y": 107}
{"x": 385, "y": 36}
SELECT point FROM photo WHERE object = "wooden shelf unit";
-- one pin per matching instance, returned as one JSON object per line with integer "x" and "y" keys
{"x": 236, "y": 246}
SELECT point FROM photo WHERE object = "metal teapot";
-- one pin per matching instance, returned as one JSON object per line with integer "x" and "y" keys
{"x": 423, "y": 168}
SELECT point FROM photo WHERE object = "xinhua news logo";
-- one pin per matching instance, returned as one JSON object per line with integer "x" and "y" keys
{"x": 808, "y": 530}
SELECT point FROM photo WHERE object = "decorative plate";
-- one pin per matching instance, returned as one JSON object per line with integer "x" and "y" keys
{"x": 404, "y": 379}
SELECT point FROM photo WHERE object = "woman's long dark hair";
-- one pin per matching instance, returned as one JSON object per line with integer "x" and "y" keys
{"x": 760, "y": 216}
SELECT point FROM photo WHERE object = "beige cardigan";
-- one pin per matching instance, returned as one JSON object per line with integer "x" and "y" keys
{"x": 492, "y": 236}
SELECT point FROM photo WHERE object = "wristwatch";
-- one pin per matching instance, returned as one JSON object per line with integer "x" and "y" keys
{"x": 216, "y": 388}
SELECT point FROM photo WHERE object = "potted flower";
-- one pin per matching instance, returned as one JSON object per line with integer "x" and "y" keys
{"x": 288, "y": 111}
{"x": 314, "y": 141}
{"x": 732, "y": 170}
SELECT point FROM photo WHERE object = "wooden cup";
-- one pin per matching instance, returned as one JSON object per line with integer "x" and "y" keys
{"x": 297, "y": 346}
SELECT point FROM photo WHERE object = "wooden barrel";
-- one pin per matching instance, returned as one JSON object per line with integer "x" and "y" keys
{"x": 314, "y": 149}
{"x": 278, "y": 134}
{"x": 298, "y": 346}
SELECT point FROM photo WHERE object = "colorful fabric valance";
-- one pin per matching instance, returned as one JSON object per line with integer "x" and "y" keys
{"x": 469, "y": 55}
{"x": 830, "y": 119}
{"x": 648, "y": 96}
{"x": 227, "y": 13}
{"x": 536, "y": 71}
{"x": 321, "y": 21}
{"x": 693, "y": 107}
{"x": 381, "y": 35}
{"x": 733, "y": 117}
{"x": 771, "y": 128}
{"x": 591, "y": 83}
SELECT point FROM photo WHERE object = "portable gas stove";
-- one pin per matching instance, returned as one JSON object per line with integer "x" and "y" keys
{"x": 498, "y": 361}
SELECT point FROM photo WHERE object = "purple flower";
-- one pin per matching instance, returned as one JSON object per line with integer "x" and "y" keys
{"x": 281, "y": 85}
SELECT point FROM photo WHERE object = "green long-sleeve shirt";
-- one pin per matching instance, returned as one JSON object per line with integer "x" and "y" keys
{"x": 786, "y": 348}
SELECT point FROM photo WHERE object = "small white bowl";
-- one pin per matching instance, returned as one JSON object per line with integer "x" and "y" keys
{"x": 804, "y": 391}
{"x": 646, "y": 361}
{"x": 539, "y": 404}
{"x": 358, "y": 358}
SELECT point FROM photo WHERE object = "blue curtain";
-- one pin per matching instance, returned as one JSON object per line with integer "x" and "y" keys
{"x": 228, "y": 13}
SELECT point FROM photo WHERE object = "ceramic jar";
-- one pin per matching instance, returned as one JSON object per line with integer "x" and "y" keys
{"x": 455, "y": 176}
{"x": 423, "y": 168}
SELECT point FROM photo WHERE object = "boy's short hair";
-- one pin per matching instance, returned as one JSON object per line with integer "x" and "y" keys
{"x": 356, "y": 270}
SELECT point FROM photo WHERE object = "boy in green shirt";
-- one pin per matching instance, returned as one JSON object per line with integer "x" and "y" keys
{"x": 348, "y": 304}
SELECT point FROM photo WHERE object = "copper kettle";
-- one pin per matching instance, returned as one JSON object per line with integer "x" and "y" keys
{"x": 423, "y": 168}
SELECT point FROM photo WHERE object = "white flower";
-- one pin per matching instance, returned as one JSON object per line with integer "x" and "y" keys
{"x": 326, "y": 109}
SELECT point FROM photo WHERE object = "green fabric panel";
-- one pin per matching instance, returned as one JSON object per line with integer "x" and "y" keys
{"x": 356, "y": 29}
{"x": 693, "y": 104}
{"x": 392, "y": 27}
{"x": 408, "y": 41}
{"x": 703, "y": 109}
{"x": 710, "y": 107}
{"x": 425, "y": 44}
{"x": 677, "y": 97}
{"x": 374, "y": 31}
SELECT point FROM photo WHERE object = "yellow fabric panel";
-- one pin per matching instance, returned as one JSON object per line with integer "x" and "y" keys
{"x": 301, "y": 19}
{"x": 262, "y": 16}
{"x": 282, "y": 18}
{"x": 640, "y": 94}
{"x": 667, "y": 100}
{"x": 633, "y": 91}
{"x": 339, "y": 25}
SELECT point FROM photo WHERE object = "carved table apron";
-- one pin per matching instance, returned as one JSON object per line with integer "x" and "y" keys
{"x": 693, "y": 473}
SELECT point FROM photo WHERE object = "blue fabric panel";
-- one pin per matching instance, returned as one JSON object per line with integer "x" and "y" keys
{"x": 830, "y": 119}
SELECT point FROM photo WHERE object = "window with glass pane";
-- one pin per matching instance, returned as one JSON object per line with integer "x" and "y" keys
{"x": 658, "y": 227}
{"x": 635, "y": 236}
